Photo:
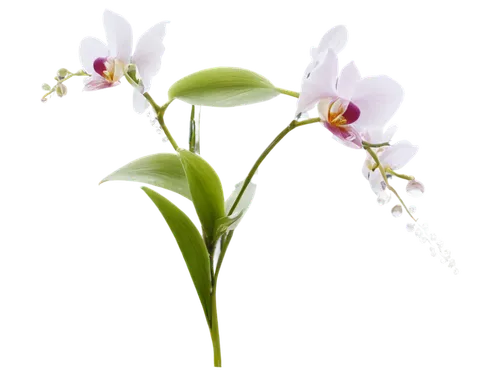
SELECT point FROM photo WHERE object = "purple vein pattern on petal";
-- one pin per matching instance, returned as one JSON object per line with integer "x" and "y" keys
{"x": 378, "y": 98}
{"x": 90, "y": 50}
{"x": 320, "y": 84}
{"x": 119, "y": 36}
{"x": 149, "y": 52}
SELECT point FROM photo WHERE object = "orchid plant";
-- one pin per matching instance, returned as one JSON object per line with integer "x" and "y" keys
{"x": 354, "y": 109}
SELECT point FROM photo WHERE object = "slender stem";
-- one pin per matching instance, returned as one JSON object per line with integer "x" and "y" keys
{"x": 402, "y": 176}
{"x": 80, "y": 73}
{"x": 294, "y": 124}
{"x": 167, "y": 133}
{"x": 214, "y": 331}
{"x": 383, "y": 172}
{"x": 289, "y": 93}
{"x": 194, "y": 130}
{"x": 375, "y": 144}
{"x": 223, "y": 247}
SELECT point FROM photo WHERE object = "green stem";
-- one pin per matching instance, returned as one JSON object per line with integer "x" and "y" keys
{"x": 223, "y": 247}
{"x": 383, "y": 173}
{"x": 194, "y": 131}
{"x": 80, "y": 73}
{"x": 402, "y": 176}
{"x": 214, "y": 331}
{"x": 375, "y": 144}
{"x": 294, "y": 124}
{"x": 288, "y": 92}
{"x": 167, "y": 133}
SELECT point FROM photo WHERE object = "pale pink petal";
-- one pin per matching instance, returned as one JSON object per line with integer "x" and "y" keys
{"x": 119, "y": 36}
{"x": 346, "y": 135}
{"x": 90, "y": 50}
{"x": 398, "y": 155}
{"x": 348, "y": 80}
{"x": 334, "y": 39}
{"x": 139, "y": 101}
{"x": 377, "y": 98}
{"x": 320, "y": 83}
{"x": 97, "y": 83}
{"x": 378, "y": 134}
{"x": 148, "y": 53}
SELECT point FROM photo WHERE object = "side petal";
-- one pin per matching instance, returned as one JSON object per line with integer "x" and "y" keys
{"x": 118, "y": 35}
{"x": 398, "y": 155}
{"x": 335, "y": 39}
{"x": 379, "y": 134}
{"x": 378, "y": 98}
{"x": 139, "y": 101}
{"x": 90, "y": 50}
{"x": 348, "y": 80}
{"x": 319, "y": 84}
{"x": 148, "y": 53}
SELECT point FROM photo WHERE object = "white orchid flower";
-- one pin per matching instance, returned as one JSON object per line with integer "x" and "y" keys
{"x": 107, "y": 64}
{"x": 347, "y": 104}
{"x": 391, "y": 158}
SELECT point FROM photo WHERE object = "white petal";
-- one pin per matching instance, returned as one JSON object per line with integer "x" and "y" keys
{"x": 366, "y": 168}
{"x": 335, "y": 39}
{"x": 119, "y": 36}
{"x": 90, "y": 50}
{"x": 244, "y": 202}
{"x": 320, "y": 83}
{"x": 398, "y": 155}
{"x": 376, "y": 180}
{"x": 377, "y": 98}
{"x": 148, "y": 53}
{"x": 348, "y": 80}
{"x": 139, "y": 101}
{"x": 378, "y": 134}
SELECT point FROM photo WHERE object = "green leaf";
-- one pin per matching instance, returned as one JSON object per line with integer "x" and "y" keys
{"x": 162, "y": 170}
{"x": 227, "y": 223}
{"x": 206, "y": 192}
{"x": 193, "y": 248}
{"x": 223, "y": 87}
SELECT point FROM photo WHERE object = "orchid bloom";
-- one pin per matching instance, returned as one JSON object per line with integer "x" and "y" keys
{"x": 347, "y": 104}
{"x": 107, "y": 64}
{"x": 391, "y": 158}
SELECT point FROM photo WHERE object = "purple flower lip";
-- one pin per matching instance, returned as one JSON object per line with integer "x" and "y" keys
{"x": 352, "y": 113}
{"x": 100, "y": 66}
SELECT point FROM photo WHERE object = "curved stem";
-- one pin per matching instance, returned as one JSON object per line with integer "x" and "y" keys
{"x": 294, "y": 124}
{"x": 375, "y": 144}
{"x": 382, "y": 172}
{"x": 160, "y": 111}
{"x": 80, "y": 73}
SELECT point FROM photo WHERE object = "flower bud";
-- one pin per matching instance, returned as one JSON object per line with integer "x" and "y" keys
{"x": 61, "y": 73}
{"x": 46, "y": 87}
{"x": 61, "y": 90}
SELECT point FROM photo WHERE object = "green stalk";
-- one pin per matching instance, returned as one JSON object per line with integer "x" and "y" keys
{"x": 288, "y": 92}
{"x": 383, "y": 172}
{"x": 194, "y": 131}
{"x": 294, "y": 124}
{"x": 214, "y": 331}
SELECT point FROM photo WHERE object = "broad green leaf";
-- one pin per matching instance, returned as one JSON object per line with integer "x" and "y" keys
{"x": 243, "y": 204}
{"x": 206, "y": 192}
{"x": 162, "y": 170}
{"x": 223, "y": 87}
{"x": 193, "y": 248}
